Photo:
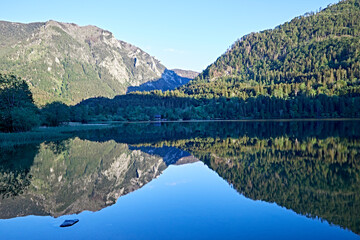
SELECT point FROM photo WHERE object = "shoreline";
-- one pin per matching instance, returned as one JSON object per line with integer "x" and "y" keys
{"x": 246, "y": 120}
{"x": 42, "y": 134}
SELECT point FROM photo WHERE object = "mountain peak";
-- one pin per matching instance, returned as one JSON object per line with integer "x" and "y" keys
{"x": 67, "y": 62}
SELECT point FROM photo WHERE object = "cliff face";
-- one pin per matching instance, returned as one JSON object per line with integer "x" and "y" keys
{"x": 67, "y": 62}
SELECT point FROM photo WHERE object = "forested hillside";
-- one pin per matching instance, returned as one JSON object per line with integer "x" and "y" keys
{"x": 317, "y": 53}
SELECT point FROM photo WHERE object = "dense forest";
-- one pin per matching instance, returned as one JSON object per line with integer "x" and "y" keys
{"x": 17, "y": 109}
{"x": 314, "y": 54}
{"x": 19, "y": 113}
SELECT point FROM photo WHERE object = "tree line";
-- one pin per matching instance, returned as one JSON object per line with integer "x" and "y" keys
{"x": 19, "y": 113}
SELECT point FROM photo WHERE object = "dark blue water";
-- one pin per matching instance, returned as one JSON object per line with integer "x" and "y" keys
{"x": 203, "y": 198}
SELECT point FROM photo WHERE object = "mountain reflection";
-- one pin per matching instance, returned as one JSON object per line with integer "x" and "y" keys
{"x": 312, "y": 168}
{"x": 71, "y": 176}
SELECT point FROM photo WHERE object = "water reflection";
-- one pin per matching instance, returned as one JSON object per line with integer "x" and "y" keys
{"x": 15, "y": 164}
{"x": 313, "y": 177}
{"x": 71, "y": 176}
{"x": 312, "y": 168}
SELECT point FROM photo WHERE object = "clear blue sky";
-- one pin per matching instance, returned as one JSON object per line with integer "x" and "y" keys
{"x": 187, "y": 34}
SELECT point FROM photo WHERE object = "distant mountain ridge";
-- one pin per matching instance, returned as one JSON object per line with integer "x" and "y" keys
{"x": 186, "y": 73}
{"x": 169, "y": 80}
{"x": 67, "y": 62}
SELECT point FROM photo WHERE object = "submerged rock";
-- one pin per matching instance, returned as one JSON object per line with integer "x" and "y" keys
{"x": 69, "y": 223}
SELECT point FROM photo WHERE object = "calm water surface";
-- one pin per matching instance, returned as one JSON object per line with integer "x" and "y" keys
{"x": 250, "y": 180}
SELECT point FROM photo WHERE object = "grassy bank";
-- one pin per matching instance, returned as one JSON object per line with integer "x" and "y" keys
{"x": 46, "y": 134}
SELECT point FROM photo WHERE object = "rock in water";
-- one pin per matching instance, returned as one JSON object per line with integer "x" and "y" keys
{"x": 69, "y": 223}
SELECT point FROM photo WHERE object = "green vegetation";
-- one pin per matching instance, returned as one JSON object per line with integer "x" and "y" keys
{"x": 311, "y": 55}
{"x": 55, "y": 113}
{"x": 17, "y": 109}
{"x": 39, "y": 135}
{"x": 68, "y": 63}
{"x": 19, "y": 114}
{"x": 143, "y": 107}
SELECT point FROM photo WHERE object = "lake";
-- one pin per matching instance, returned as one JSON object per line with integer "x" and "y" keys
{"x": 200, "y": 180}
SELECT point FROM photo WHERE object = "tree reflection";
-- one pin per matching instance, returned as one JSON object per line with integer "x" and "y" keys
{"x": 318, "y": 178}
{"x": 312, "y": 168}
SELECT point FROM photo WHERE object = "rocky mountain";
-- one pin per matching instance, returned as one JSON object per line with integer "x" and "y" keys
{"x": 169, "y": 80}
{"x": 67, "y": 62}
{"x": 186, "y": 73}
{"x": 170, "y": 155}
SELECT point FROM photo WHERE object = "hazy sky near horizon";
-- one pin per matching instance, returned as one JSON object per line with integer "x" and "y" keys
{"x": 186, "y": 34}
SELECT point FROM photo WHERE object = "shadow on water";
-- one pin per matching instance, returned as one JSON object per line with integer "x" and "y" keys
{"x": 145, "y": 133}
{"x": 15, "y": 164}
{"x": 312, "y": 168}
